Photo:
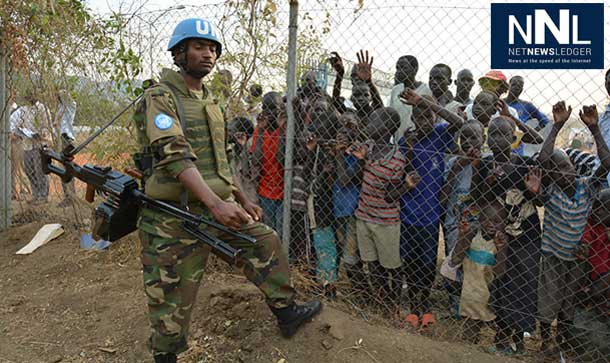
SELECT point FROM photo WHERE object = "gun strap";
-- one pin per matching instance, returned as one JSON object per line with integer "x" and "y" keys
{"x": 184, "y": 196}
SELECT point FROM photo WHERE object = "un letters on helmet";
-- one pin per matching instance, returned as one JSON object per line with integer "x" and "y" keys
{"x": 204, "y": 28}
{"x": 194, "y": 28}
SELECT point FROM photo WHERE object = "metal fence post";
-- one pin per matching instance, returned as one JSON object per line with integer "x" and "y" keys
{"x": 291, "y": 81}
{"x": 5, "y": 148}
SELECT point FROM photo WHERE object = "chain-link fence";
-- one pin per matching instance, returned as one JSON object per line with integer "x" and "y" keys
{"x": 450, "y": 199}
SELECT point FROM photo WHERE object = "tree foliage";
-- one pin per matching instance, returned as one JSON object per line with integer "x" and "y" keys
{"x": 61, "y": 46}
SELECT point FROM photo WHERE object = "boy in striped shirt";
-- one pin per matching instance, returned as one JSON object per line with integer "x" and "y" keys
{"x": 568, "y": 203}
{"x": 378, "y": 223}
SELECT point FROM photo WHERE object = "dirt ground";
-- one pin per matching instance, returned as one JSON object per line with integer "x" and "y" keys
{"x": 65, "y": 304}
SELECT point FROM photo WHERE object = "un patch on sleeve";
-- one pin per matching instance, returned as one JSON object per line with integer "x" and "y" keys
{"x": 163, "y": 121}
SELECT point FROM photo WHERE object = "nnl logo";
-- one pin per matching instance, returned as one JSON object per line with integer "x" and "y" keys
{"x": 543, "y": 21}
{"x": 545, "y": 35}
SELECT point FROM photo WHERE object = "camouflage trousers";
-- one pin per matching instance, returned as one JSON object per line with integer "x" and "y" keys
{"x": 173, "y": 266}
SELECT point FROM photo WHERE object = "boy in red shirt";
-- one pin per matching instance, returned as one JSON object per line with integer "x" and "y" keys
{"x": 268, "y": 171}
{"x": 597, "y": 238}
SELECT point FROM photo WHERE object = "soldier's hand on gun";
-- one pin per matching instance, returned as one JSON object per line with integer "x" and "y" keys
{"x": 255, "y": 211}
{"x": 229, "y": 214}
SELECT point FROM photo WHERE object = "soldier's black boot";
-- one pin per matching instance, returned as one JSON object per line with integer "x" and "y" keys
{"x": 166, "y": 358}
{"x": 292, "y": 317}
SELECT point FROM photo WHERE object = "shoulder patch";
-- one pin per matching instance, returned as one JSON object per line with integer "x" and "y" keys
{"x": 157, "y": 90}
{"x": 163, "y": 121}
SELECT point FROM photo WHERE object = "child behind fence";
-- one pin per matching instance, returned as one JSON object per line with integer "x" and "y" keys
{"x": 597, "y": 238}
{"x": 240, "y": 131}
{"x": 507, "y": 177}
{"x": 455, "y": 196}
{"x": 266, "y": 169}
{"x": 568, "y": 202}
{"x": 301, "y": 248}
{"x": 487, "y": 106}
{"x": 420, "y": 209}
{"x": 346, "y": 191}
{"x": 324, "y": 127}
{"x": 378, "y": 223}
{"x": 482, "y": 253}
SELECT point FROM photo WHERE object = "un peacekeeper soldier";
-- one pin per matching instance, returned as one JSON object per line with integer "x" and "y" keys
{"x": 193, "y": 159}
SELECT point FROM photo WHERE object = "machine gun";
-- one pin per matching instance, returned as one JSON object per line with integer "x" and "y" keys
{"x": 117, "y": 215}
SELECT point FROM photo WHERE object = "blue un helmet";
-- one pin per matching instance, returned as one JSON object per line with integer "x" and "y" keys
{"x": 194, "y": 28}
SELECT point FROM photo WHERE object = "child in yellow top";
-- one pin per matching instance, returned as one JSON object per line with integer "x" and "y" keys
{"x": 482, "y": 253}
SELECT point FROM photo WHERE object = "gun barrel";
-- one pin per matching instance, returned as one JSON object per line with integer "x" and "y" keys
{"x": 190, "y": 217}
{"x": 224, "y": 251}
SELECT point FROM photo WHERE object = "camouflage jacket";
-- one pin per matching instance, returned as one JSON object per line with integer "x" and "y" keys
{"x": 199, "y": 142}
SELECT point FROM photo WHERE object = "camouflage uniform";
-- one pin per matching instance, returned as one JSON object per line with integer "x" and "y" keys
{"x": 173, "y": 262}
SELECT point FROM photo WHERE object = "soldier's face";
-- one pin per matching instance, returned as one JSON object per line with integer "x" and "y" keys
{"x": 201, "y": 55}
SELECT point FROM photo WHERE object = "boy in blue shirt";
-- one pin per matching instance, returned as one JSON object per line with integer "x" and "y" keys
{"x": 346, "y": 191}
{"x": 420, "y": 209}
